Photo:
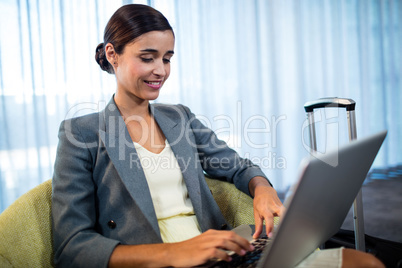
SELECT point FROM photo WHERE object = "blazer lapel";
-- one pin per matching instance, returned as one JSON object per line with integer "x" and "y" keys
{"x": 122, "y": 153}
{"x": 175, "y": 132}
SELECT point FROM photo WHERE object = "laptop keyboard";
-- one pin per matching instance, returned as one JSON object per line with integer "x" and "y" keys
{"x": 250, "y": 259}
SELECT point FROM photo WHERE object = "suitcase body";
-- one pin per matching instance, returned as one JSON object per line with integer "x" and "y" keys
{"x": 349, "y": 105}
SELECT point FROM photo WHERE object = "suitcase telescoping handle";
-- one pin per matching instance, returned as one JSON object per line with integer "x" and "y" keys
{"x": 349, "y": 105}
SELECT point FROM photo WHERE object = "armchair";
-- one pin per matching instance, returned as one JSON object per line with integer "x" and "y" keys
{"x": 25, "y": 226}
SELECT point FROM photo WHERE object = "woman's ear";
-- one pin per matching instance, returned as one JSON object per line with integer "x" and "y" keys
{"x": 111, "y": 54}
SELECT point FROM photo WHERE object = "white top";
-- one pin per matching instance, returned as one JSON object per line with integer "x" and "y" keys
{"x": 173, "y": 207}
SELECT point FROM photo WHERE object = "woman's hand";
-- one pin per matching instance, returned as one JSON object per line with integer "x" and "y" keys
{"x": 266, "y": 204}
{"x": 210, "y": 245}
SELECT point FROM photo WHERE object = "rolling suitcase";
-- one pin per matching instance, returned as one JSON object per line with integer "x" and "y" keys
{"x": 349, "y": 105}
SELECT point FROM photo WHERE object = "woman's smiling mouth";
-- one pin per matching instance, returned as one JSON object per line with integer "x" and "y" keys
{"x": 153, "y": 84}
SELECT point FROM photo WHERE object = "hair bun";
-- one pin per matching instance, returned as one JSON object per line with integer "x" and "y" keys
{"x": 100, "y": 58}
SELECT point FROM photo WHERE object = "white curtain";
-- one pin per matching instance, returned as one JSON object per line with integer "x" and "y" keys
{"x": 244, "y": 67}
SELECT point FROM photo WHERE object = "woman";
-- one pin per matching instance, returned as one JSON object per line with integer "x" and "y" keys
{"x": 110, "y": 206}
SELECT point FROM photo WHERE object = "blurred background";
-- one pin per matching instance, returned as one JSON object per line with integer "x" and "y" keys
{"x": 245, "y": 68}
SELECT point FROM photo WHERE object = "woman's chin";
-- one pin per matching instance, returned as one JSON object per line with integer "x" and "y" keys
{"x": 152, "y": 97}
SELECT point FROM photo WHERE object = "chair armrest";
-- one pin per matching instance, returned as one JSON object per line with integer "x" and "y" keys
{"x": 236, "y": 206}
{"x": 25, "y": 230}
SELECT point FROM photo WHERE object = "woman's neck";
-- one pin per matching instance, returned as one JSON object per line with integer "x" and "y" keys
{"x": 130, "y": 105}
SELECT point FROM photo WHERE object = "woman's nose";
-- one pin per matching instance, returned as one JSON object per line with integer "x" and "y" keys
{"x": 159, "y": 68}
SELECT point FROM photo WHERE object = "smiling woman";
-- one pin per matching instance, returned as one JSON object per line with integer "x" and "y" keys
{"x": 137, "y": 48}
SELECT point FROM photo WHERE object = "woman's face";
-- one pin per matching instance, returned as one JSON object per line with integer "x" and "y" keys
{"x": 144, "y": 65}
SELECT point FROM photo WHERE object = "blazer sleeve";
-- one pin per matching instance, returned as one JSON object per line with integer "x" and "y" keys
{"x": 220, "y": 161}
{"x": 76, "y": 242}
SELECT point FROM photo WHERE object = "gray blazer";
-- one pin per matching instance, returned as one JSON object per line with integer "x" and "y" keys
{"x": 100, "y": 194}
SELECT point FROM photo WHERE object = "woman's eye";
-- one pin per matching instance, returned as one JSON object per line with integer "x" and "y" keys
{"x": 146, "y": 59}
{"x": 166, "y": 60}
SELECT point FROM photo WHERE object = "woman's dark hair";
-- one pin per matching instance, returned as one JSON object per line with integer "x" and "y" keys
{"x": 126, "y": 24}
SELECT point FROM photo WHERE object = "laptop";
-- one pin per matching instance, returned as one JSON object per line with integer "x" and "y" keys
{"x": 321, "y": 200}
